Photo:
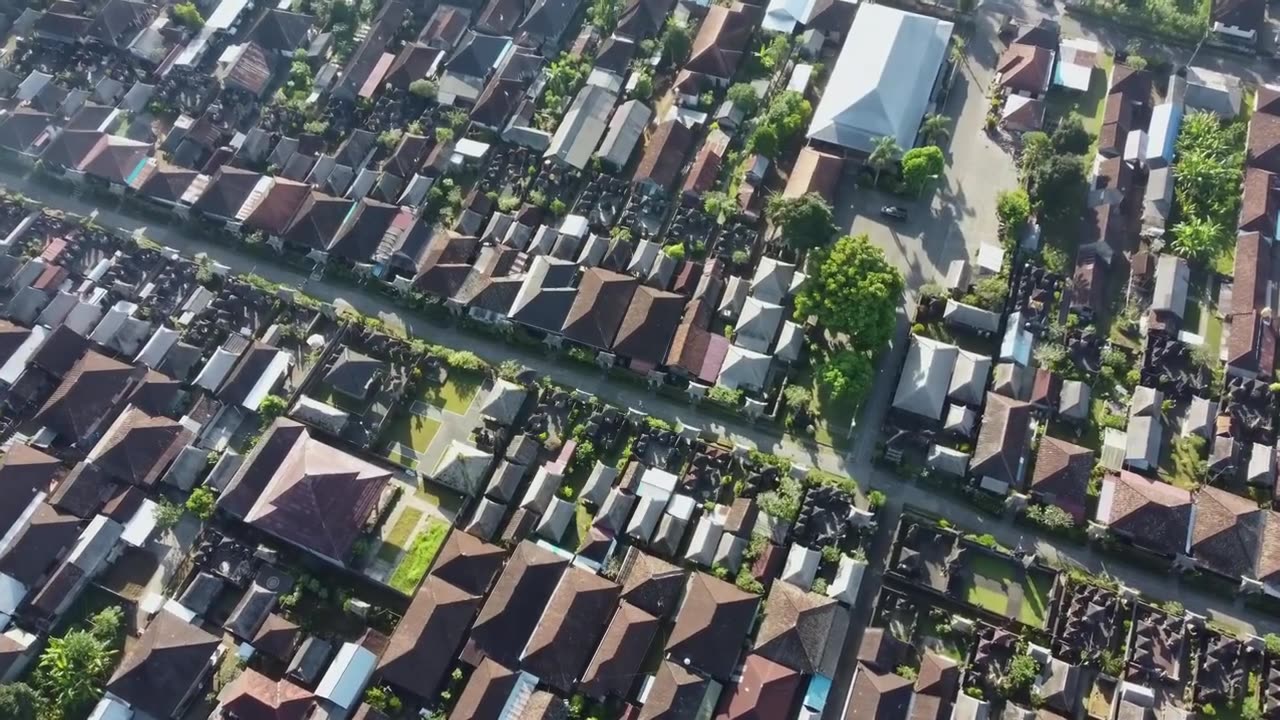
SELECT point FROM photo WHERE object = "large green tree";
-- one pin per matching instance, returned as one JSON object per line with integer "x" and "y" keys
{"x": 847, "y": 374}
{"x": 1058, "y": 188}
{"x": 19, "y": 702}
{"x": 1198, "y": 239}
{"x": 71, "y": 670}
{"x": 852, "y": 289}
{"x": 804, "y": 222}
{"x": 1070, "y": 137}
{"x": 921, "y": 165}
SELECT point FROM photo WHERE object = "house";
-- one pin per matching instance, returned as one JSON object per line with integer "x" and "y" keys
{"x": 936, "y": 685}
{"x": 463, "y": 467}
{"x": 1150, "y": 513}
{"x": 304, "y": 491}
{"x": 883, "y": 81}
{"x": 419, "y": 654}
{"x": 545, "y": 24}
{"x": 137, "y": 447}
{"x": 664, "y": 153}
{"x": 364, "y": 71}
{"x": 254, "y": 695}
{"x": 1217, "y": 92}
{"x": 676, "y": 692}
{"x": 246, "y": 67}
{"x": 1264, "y": 133}
{"x": 651, "y": 583}
{"x": 1169, "y": 299}
{"x": 504, "y": 93}
{"x": 118, "y": 22}
{"x": 1025, "y": 70}
{"x": 227, "y": 192}
{"x": 279, "y": 206}
{"x": 283, "y": 32}
{"x": 1226, "y": 532}
{"x": 514, "y": 607}
{"x": 1145, "y": 429}
{"x": 545, "y": 295}
{"x": 87, "y": 395}
{"x": 1061, "y": 476}
{"x": 161, "y": 674}
{"x": 717, "y": 49}
{"x": 1238, "y": 22}
{"x": 797, "y": 626}
{"x": 1130, "y": 90}
{"x": 877, "y": 695}
{"x": 27, "y": 476}
{"x": 1000, "y": 454}
{"x": 619, "y": 655}
{"x": 625, "y": 130}
{"x": 343, "y": 683}
{"x": 648, "y": 327}
{"x": 814, "y": 171}
{"x": 926, "y": 378}
{"x": 1077, "y": 59}
{"x": 572, "y": 619}
{"x": 642, "y": 19}
{"x": 713, "y": 619}
{"x": 467, "y": 71}
{"x": 765, "y": 690}
{"x": 744, "y": 369}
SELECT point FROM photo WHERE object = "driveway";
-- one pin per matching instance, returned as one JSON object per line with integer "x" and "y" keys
{"x": 953, "y": 219}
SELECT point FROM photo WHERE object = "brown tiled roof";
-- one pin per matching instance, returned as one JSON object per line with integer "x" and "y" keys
{"x": 1267, "y": 567}
{"x": 705, "y": 170}
{"x": 72, "y": 147}
{"x": 1244, "y": 342}
{"x": 155, "y": 394}
{"x": 648, "y": 326}
{"x": 117, "y": 159}
{"x": 254, "y": 696}
{"x": 281, "y": 31}
{"x": 1131, "y": 82}
{"x": 814, "y": 171}
{"x": 227, "y": 192}
{"x": 408, "y": 156}
{"x": 138, "y": 447}
{"x": 60, "y": 351}
{"x": 23, "y": 127}
{"x": 365, "y": 233}
{"x": 1258, "y": 203}
{"x": 11, "y": 338}
{"x": 936, "y": 685}
{"x": 446, "y": 263}
{"x": 1268, "y": 99}
{"x": 500, "y": 17}
{"x": 248, "y": 370}
{"x": 305, "y": 491}
{"x": 664, "y": 153}
{"x": 24, "y": 472}
{"x": 721, "y": 41}
{"x": 1264, "y": 142}
{"x": 513, "y": 608}
{"x": 277, "y": 637}
{"x": 1154, "y": 513}
{"x": 676, "y": 694}
{"x": 468, "y": 563}
{"x": 1251, "y": 274}
{"x": 877, "y": 696}
{"x": 415, "y": 62}
{"x": 277, "y": 209}
{"x": 1003, "y": 440}
{"x": 651, "y": 583}
{"x": 1226, "y": 533}
{"x": 641, "y": 19}
{"x": 86, "y": 395}
{"x": 881, "y": 650}
{"x": 766, "y": 691}
{"x": 620, "y": 653}
{"x": 35, "y": 549}
{"x": 1087, "y": 282}
{"x": 83, "y": 491}
{"x": 163, "y": 666}
{"x": 10, "y": 652}
{"x": 598, "y": 309}
{"x": 421, "y": 650}
{"x": 486, "y": 692}
{"x": 796, "y": 627}
{"x": 543, "y": 705}
{"x": 1114, "y": 174}
{"x": 714, "y": 619}
{"x": 570, "y": 628}
{"x": 445, "y": 27}
{"x": 1025, "y": 68}
{"x": 742, "y": 517}
{"x": 318, "y": 221}
{"x": 1062, "y": 472}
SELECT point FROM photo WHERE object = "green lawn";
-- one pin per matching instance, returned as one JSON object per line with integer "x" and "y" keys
{"x": 456, "y": 394}
{"x": 418, "y": 559}
{"x": 577, "y": 532}
{"x": 1089, "y": 105}
{"x": 1001, "y": 573}
{"x": 1035, "y": 600}
{"x": 442, "y": 497}
{"x": 399, "y": 535}
{"x": 414, "y": 431}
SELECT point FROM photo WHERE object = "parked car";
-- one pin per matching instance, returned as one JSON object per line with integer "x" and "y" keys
{"x": 893, "y": 211}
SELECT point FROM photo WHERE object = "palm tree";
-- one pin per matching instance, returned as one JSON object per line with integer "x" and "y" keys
{"x": 958, "y": 46}
{"x": 935, "y": 129}
{"x": 883, "y": 155}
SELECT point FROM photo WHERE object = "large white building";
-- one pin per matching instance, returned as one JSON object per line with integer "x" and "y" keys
{"x": 884, "y": 79}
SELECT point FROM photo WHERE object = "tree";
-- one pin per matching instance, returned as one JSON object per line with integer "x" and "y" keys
{"x": 853, "y": 290}
{"x": 935, "y": 129}
{"x": 675, "y": 251}
{"x": 1022, "y": 672}
{"x": 798, "y": 397}
{"x": 166, "y": 514}
{"x": 71, "y": 670}
{"x": 1058, "y": 188}
{"x": 1037, "y": 149}
{"x": 444, "y": 135}
{"x": 718, "y": 205}
{"x": 19, "y": 702}
{"x": 186, "y": 13}
{"x": 1198, "y": 238}
{"x": 424, "y": 88}
{"x": 744, "y": 97}
{"x": 920, "y": 165}
{"x": 676, "y": 42}
{"x": 201, "y": 502}
{"x": 885, "y": 153}
{"x": 604, "y": 15}
{"x": 271, "y": 407}
{"x": 804, "y": 222}
{"x": 643, "y": 89}
{"x": 847, "y": 375}
{"x": 1013, "y": 210}
{"x": 106, "y": 623}
{"x": 957, "y": 51}
{"x": 787, "y": 114}
{"x": 1070, "y": 137}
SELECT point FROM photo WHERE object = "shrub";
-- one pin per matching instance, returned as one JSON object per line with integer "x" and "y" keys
{"x": 876, "y": 499}
{"x": 724, "y": 395}
{"x": 186, "y": 13}
{"x": 201, "y": 502}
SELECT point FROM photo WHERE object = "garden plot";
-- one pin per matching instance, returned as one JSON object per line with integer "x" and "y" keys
{"x": 1003, "y": 587}
{"x": 410, "y": 537}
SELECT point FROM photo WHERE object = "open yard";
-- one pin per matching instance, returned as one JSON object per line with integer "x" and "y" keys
{"x": 421, "y": 553}
{"x": 397, "y": 538}
{"x": 456, "y": 394}
{"x": 414, "y": 431}
{"x": 1001, "y": 587}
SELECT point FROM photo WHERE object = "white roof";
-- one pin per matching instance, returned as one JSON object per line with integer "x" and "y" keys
{"x": 681, "y": 506}
{"x": 1017, "y": 342}
{"x": 743, "y": 368}
{"x": 990, "y": 257}
{"x": 215, "y": 371}
{"x": 758, "y": 325}
{"x": 139, "y": 528}
{"x": 706, "y": 536}
{"x": 926, "y": 377}
{"x": 657, "y": 484}
{"x": 848, "y": 580}
{"x": 109, "y": 709}
{"x": 555, "y": 520}
{"x": 12, "y": 591}
{"x": 347, "y": 674}
{"x": 268, "y": 379}
{"x": 882, "y": 80}
{"x": 157, "y": 347}
{"x": 17, "y": 362}
{"x": 801, "y": 566}
{"x": 644, "y": 519}
{"x": 1076, "y": 59}
{"x": 783, "y": 15}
